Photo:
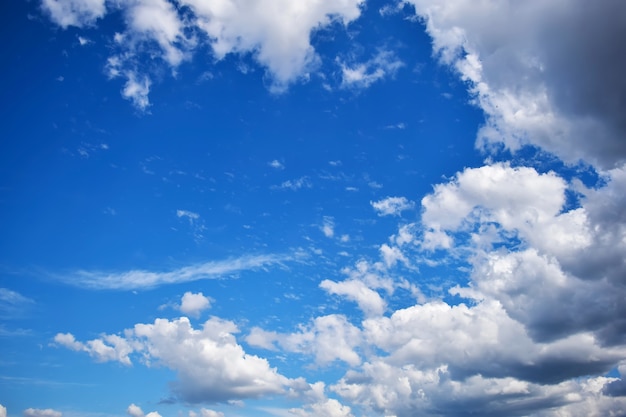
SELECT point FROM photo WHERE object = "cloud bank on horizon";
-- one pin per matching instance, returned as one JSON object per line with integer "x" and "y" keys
{"x": 498, "y": 292}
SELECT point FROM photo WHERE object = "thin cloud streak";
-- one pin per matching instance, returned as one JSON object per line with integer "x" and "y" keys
{"x": 142, "y": 279}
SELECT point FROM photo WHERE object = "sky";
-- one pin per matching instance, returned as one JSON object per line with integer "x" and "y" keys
{"x": 285, "y": 208}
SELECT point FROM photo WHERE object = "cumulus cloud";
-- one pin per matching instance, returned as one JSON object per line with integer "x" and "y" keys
{"x": 545, "y": 73}
{"x": 136, "y": 279}
{"x": 392, "y": 206}
{"x": 275, "y": 33}
{"x": 327, "y": 338}
{"x": 3, "y": 411}
{"x": 135, "y": 411}
{"x": 37, "y": 412}
{"x": 328, "y": 408}
{"x": 193, "y": 304}
{"x": 210, "y": 365}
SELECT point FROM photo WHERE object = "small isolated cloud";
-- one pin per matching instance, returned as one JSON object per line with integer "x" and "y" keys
{"x": 188, "y": 214}
{"x": 276, "y": 164}
{"x": 84, "y": 41}
{"x": 384, "y": 64}
{"x": 392, "y": 206}
{"x": 38, "y": 412}
{"x": 193, "y": 304}
{"x": 328, "y": 227}
{"x": 3, "y": 411}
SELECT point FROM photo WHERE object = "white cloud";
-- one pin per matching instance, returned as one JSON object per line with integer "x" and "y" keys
{"x": 328, "y": 408}
{"x": 368, "y": 300}
{"x": 37, "y": 412}
{"x": 294, "y": 185}
{"x": 136, "y": 279}
{"x": 275, "y": 33}
{"x": 544, "y": 73}
{"x": 136, "y": 90}
{"x": 328, "y": 227}
{"x": 193, "y": 304}
{"x": 384, "y": 64}
{"x": 205, "y": 412}
{"x": 392, "y": 206}
{"x": 211, "y": 366}
{"x": 3, "y": 411}
{"x": 327, "y": 338}
{"x": 105, "y": 349}
{"x": 74, "y": 12}
{"x": 13, "y": 304}
{"x": 188, "y": 214}
{"x": 135, "y": 411}
{"x": 276, "y": 164}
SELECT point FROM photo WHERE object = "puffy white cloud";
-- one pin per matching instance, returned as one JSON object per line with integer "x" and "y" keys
{"x": 545, "y": 73}
{"x": 328, "y": 408}
{"x": 107, "y": 348}
{"x": 575, "y": 256}
{"x": 74, "y": 12}
{"x": 38, "y": 412}
{"x": 3, "y": 411}
{"x": 392, "y": 206}
{"x": 275, "y": 33}
{"x": 136, "y": 90}
{"x": 211, "y": 366}
{"x": 194, "y": 303}
{"x": 136, "y": 279}
{"x": 327, "y": 338}
{"x": 135, "y": 411}
{"x": 369, "y": 301}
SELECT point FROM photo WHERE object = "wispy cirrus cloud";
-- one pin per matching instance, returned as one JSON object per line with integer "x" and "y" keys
{"x": 144, "y": 279}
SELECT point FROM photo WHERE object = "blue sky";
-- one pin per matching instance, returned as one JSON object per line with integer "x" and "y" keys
{"x": 338, "y": 209}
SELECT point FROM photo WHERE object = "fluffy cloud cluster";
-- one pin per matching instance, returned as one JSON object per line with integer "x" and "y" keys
{"x": 210, "y": 364}
{"x": 538, "y": 319}
{"x": 276, "y": 33}
{"x": 545, "y": 73}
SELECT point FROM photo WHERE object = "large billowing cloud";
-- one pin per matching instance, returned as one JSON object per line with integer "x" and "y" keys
{"x": 548, "y": 73}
